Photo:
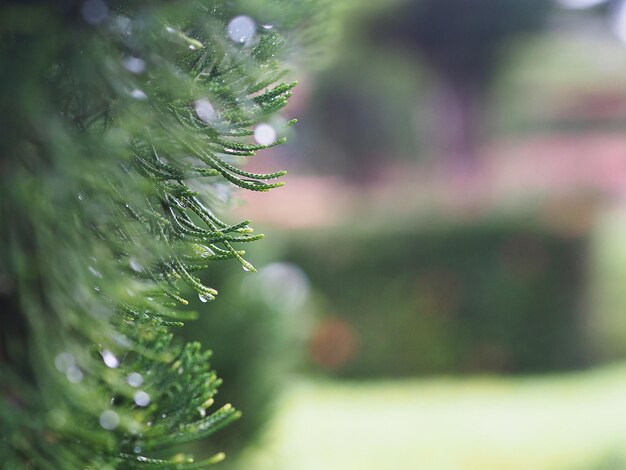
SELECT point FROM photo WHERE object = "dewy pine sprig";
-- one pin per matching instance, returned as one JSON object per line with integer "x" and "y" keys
{"x": 122, "y": 122}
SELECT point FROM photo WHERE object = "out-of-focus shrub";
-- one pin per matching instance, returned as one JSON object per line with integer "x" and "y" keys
{"x": 256, "y": 331}
{"x": 484, "y": 296}
{"x": 606, "y": 323}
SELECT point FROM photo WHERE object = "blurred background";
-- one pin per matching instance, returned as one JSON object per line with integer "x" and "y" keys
{"x": 443, "y": 285}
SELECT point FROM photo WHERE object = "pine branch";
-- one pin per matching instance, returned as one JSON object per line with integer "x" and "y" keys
{"x": 114, "y": 112}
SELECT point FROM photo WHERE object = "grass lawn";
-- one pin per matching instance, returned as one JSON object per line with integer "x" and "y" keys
{"x": 570, "y": 421}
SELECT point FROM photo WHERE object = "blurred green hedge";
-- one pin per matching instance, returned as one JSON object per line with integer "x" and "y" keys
{"x": 490, "y": 295}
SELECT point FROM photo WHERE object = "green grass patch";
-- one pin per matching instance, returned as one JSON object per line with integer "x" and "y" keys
{"x": 567, "y": 421}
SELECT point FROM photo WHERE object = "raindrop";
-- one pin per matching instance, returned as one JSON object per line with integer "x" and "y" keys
{"x": 241, "y": 29}
{"x": 134, "y": 427}
{"x": 205, "y": 110}
{"x": 207, "y": 251}
{"x": 619, "y": 22}
{"x": 246, "y": 268}
{"x": 203, "y": 298}
{"x": 284, "y": 285}
{"x": 163, "y": 416}
{"x": 74, "y": 374}
{"x": 138, "y": 94}
{"x": 580, "y": 4}
{"x": 94, "y": 11}
{"x": 123, "y": 24}
{"x": 109, "y": 359}
{"x": 265, "y": 134}
{"x": 122, "y": 341}
{"x": 94, "y": 271}
{"x": 202, "y": 412}
{"x": 134, "y": 64}
{"x": 268, "y": 26}
{"x": 135, "y": 265}
{"x": 80, "y": 196}
{"x": 64, "y": 360}
{"x": 222, "y": 191}
{"x": 109, "y": 420}
{"x": 134, "y": 379}
{"x": 192, "y": 47}
{"x": 136, "y": 449}
{"x": 142, "y": 398}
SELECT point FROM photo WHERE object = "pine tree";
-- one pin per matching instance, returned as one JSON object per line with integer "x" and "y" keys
{"x": 123, "y": 124}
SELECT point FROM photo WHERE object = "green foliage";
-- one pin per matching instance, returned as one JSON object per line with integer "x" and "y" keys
{"x": 122, "y": 124}
{"x": 482, "y": 296}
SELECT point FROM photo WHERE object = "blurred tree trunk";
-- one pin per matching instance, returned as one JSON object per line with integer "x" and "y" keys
{"x": 458, "y": 114}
